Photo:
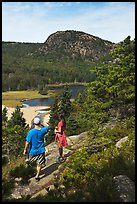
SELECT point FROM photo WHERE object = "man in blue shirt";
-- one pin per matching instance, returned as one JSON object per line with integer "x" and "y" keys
{"x": 35, "y": 138}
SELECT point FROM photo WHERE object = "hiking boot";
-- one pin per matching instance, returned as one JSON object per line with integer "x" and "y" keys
{"x": 62, "y": 159}
{"x": 58, "y": 159}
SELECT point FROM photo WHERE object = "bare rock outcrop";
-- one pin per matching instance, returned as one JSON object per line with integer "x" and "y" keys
{"x": 125, "y": 188}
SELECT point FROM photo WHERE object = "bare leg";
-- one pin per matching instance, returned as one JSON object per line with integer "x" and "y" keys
{"x": 38, "y": 170}
{"x": 60, "y": 148}
{"x": 61, "y": 151}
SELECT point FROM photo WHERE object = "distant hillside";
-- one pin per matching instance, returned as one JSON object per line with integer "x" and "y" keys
{"x": 64, "y": 53}
{"x": 75, "y": 45}
{"x": 17, "y": 49}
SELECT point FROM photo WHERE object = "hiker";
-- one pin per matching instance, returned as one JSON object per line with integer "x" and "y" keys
{"x": 32, "y": 126}
{"x": 60, "y": 137}
{"x": 35, "y": 138}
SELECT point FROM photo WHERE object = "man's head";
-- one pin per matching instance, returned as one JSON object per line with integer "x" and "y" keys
{"x": 37, "y": 121}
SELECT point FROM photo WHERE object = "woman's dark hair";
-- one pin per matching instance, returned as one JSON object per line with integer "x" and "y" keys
{"x": 61, "y": 116}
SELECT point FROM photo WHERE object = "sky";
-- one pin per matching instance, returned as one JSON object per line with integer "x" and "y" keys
{"x": 34, "y": 22}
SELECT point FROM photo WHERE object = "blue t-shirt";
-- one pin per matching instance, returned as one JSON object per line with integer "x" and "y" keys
{"x": 36, "y": 139}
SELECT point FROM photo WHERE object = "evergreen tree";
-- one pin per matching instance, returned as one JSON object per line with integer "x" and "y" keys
{"x": 64, "y": 105}
{"x": 53, "y": 121}
{"x": 116, "y": 81}
{"x": 13, "y": 139}
{"x": 4, "y": 116}
{"x": 72, "y": 125}
{"x": 17, "y": 119}
{"x": 112, "y": 94}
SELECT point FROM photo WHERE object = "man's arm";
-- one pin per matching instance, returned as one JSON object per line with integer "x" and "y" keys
{"x": 25, "y": 148}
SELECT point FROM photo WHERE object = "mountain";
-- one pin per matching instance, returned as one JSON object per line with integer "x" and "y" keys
{"x": 64, "y": 53}
{"x": 72, "y": 44}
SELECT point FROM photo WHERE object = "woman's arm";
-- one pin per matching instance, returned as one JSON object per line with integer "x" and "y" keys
{"x": 59, "y": 127}
{"x": 59, "y": 130}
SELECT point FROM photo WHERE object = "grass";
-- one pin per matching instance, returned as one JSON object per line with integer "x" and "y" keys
{"x": 14, "y": 98}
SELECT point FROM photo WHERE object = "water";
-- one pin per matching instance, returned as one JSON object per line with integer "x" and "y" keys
{"x": 49, "y": 101}
{"x": 39, "y": 102}
{"x": 73, "y": 88}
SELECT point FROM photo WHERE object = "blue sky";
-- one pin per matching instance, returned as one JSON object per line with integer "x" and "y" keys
{"x": 36, "y": 21}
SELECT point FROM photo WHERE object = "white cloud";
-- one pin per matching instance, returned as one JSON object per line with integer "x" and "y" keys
{"x": 34, "y": 21}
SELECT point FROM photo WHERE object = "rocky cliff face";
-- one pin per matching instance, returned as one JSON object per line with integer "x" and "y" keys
{"x": 75, "y": 45}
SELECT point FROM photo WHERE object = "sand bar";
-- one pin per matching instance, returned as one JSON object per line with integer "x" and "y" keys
{"x": 29, "y": 113}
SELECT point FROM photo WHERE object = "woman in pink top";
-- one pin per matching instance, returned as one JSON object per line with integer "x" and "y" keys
{"x": 60, "y": 137}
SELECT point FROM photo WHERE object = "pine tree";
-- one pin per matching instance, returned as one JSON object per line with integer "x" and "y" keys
{"x": 112, "y": 94}
{"x": 13, "y": 139}
{"x": 64, "y": 105}
{"x": 53, "y": 121}
{"x": 17, "y": 119}
{"x": 72, "y": 125}
{"x": 4, "y": 116}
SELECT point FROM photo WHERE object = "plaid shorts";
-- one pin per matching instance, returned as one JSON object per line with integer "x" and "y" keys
{"x": 40, "y": 159}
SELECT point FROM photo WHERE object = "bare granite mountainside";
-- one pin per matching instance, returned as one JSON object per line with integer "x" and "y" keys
{"x": 75, "y": 45}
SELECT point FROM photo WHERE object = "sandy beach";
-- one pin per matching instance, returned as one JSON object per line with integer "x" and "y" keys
{"x": 29, "y": 113}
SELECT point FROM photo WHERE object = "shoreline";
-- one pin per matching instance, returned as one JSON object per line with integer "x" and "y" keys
{"x": 29, "y": 113}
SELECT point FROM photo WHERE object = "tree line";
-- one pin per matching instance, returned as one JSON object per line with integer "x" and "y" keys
{"x": 25, "y": 67}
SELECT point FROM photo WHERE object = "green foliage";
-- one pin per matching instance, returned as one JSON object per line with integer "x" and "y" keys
{"x": 13, "y": 140}
{"x": 94, "y": 166}
{"x": 112, "y": 94}
{"x": 43, "y": 90}
{"x": 7, "y": 187}
{"x": 72, "y": 126}
{"x": 64, "y": 104}
{"x": 4, "y": 116}
{"x": 24, "y": 172}
{"x": 18, "y": 58}
{"x": 5, "y": 159}
{"x": 53, "y": 121}
{"x": 17, "y": 119}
